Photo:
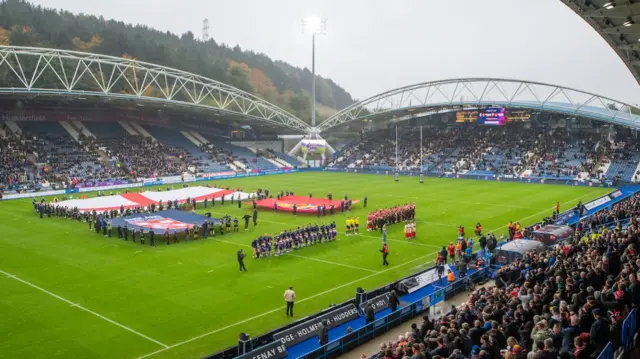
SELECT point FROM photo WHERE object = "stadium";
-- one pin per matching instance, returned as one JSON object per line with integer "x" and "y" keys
{"x": 152, "y": 211}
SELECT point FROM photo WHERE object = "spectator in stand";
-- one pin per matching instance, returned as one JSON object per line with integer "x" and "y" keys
{"x": 567, "y": 300}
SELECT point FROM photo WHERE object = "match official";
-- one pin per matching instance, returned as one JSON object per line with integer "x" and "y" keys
{"x": 385, "y": 253}
{"x": 289, "y": 297}
{"x": 246, "y": 218}
{"x": 241, "y": 256}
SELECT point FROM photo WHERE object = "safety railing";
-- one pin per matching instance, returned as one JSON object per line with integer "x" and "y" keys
{"x": 607, "y": 353}
{"x": 627, "y": 335}
{"x": 394, "y": 319}
{"x": 629, "y": 330}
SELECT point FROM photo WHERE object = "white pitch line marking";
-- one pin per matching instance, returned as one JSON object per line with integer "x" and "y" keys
{"x": 315, "y": 295}
{"x": 401, "y": 241}
{"x": 334, "y": 263}
{"x": 85, "y": 309}
{"x": 309, "y": 258}
{"x": 281, "y": 308}
{"x": 541, "y": 212}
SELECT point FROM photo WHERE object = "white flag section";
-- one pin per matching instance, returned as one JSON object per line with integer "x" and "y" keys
{"x": 197, "y": 193}
{"x": 145, "y": 199}
{"x": 99, "y": 204}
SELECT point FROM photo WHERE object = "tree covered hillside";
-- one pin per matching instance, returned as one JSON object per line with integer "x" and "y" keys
{"x": 24, "y": 24}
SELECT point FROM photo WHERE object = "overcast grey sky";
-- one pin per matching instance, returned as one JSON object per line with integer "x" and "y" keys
{"x": 375, "y": 45}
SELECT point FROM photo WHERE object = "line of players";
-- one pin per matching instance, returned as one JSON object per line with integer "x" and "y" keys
{"x": 352, "y": 225}
{"x": 268, "y": 245}
{"x": 410, "y": 230}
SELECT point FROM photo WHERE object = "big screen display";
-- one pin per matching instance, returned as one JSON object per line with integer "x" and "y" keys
{"x": 492, "y": 116}
{"x": 313, "y": 146}
{"x": 510, "y": 115}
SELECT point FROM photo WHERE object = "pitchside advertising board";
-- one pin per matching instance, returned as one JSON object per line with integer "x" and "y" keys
{"x": 275, "y": 350}
{"x": 598, "y": 202}
{"x": 422, "y": 280}
{"x": 309, "y": 329}
{"x": 379, "y": 303}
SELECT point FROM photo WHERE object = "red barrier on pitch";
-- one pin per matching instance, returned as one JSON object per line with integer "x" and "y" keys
{"x": 304, "y": 204}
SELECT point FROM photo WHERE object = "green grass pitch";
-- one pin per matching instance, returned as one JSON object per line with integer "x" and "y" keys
{"x": 69, "y": 293}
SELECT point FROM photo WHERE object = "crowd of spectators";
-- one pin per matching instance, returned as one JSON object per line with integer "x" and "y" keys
{"x": 139, "y": 156}
{"x": 17, "y": 169}
{"x": 517, "y": 149}
{"x": 378, "y": 148}
{"x": 566, "y": 302}
{"x": 32, "y": 159}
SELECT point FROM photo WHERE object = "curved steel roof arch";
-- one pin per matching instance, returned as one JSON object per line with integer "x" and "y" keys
{"x": 62, "y": 72}
{"x": 470, "y": 92}
{"x": 615, "y": 22}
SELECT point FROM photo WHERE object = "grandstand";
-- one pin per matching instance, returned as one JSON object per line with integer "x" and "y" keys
{"x": 158, "y": 141}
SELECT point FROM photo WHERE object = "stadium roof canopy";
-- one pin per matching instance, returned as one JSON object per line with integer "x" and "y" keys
{"x": 34, "y": 72}
{"x": 455, "y": 94}
{"x": 615, "y": 21}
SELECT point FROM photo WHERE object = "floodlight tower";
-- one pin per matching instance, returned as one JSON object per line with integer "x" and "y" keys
{"x": 205, "y": 30}
{"x": 316, "y": 26}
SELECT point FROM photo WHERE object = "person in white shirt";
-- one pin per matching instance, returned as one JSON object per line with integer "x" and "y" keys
{"x": 289, "y": 297}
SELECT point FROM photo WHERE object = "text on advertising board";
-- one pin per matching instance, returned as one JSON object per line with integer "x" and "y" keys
{"x": 310, "y": 328}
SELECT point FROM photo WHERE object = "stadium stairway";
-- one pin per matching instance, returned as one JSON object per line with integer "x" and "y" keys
{"x": 312, "y": 344}
{"x": 190, "y": 137}
{"x": 127, "y": 127}
{"x": 81, "y": 128}
{"x": 282, "y": 162}
{"x": 246, "y": 158}
{"x": 14, "y": 128}
{"x": 141, "y": 130}
{"x": 288, "y": 160}
{"x": 198, "y": 136}
{"x": 275, "y": 163}
{"x": 168, "y": 138}
{"x": 70, "y": 130}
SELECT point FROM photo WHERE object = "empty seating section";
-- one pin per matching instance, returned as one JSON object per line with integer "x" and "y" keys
{"x": 233, "y": 153}
{"x": 106, "y": 129}
{"x": 245, "y": 156}
{"x": 624, "y": 162}
{"x": 289, "y": 159}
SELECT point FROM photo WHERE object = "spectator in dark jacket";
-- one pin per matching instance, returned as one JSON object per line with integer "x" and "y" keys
{"x": 568, "y": 335}
{"x": 323, "y": 333}
{"x": 393, "y": 300}
{"x": 476, "y": 332}
{"x": 599, "y": 332}
{"x": 369, "y": 313}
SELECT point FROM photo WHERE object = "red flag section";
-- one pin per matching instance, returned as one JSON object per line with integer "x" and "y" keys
{"x": 303, "y": 204}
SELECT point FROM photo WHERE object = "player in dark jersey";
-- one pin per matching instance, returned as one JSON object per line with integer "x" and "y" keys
{"x": 254, "y": 245}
